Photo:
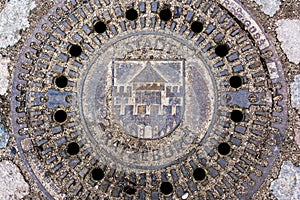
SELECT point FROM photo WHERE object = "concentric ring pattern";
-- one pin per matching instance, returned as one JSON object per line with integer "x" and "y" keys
{"x": 148, "y": 100}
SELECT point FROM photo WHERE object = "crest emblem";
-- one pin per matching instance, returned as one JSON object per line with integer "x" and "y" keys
{"x": 148, "y": 96}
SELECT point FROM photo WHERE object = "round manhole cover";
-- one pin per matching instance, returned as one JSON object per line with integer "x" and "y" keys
{"x": 149, "y": 100}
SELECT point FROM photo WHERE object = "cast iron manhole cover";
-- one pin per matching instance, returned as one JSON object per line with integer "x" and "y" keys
{"x": 149, "y": 100}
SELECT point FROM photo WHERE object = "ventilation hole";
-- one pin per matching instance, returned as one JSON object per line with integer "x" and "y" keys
{"x": 224, "y": 148}
{"x": 97, "y": 174}
{"x": 60, "y": 116}
{"x": 235, "y": 81}
{"x": 75, "y": 50}
{"x": 222, "y": 50}
{"x": 73, "y": 148}
{"x": 199, "y": 174}
{"x": 165, "y": 14}
{"x": 129, "y": 190}
{"x": 197, "y": 27}
{"x": 61, "y": 81}
{"x": 237, "y": 116}
{"x": 100, "y": 27}
{"x": 166, "y": 188}
{"x": 131, "y": 14}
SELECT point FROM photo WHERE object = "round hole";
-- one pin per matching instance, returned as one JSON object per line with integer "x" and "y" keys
{"x": 97, "y": 174}
{"x": 75, "y": 50}
{"x": 235, "y": 81}
{"x": 165, "y": 14}
{"x": 197, "y": 27}
{"x": 166, "y": 188}
{"x": 199, "y": 174}
{"x": 61, "y": 81}
{"x": 100, "y": 27}
{"x": 129, "y": 190}
{"x": 60, "y": 116}
{"x": 73, "y": 148}
{"x": 237, "y": 116}
{"x": 224, "y": 148}
{"x": 131, "y": 14}
{"x": 222, "y": 50}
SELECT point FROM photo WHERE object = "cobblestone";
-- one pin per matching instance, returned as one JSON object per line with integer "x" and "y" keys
{"x": 4, "y": 75}
{"x": 269, "y": 7}
{"x": 13, "y": 18}
{"x": 13, "y": 185}
{"x": 287, "y": 186}
{"x": 295, "y": 92}
{"x": 4, "y": 137}
{"x": 297, "y": 136}
{"x": 288, "y": 33}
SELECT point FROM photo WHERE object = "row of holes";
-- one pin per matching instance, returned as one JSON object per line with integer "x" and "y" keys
{"x": 223, "y": 148}
{"x": 235, "y": 81}
{"x": 97, "y": 174}
{"x": 132, "y": 14}
{"x": 60, "y": 116}
{"x": 221, "y": 50}
{"x": 165, "y": 15}
{"x": 166, "y": 188}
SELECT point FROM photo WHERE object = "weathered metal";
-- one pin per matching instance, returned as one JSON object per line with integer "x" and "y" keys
{"x": 148, "y": 101}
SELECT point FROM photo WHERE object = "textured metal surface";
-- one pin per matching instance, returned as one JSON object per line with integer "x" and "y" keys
{"x": 149, "y": 101}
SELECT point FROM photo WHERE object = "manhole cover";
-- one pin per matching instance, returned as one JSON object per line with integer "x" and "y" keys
{"x": 149, "y": 100}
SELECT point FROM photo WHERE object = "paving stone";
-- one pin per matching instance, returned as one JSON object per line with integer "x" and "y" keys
{"x": 287, "y": 186}
{"x": 4, "y": 75}
{"x": 12, "y": 20}
{"x": 297, "y": 136}
{"x": 288, "y": 33}
{"x": 4, "y": 137}
{"x": 13, "y": 185}
{"x": 295, "y": 92}
{"x": 269, "y": 7}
